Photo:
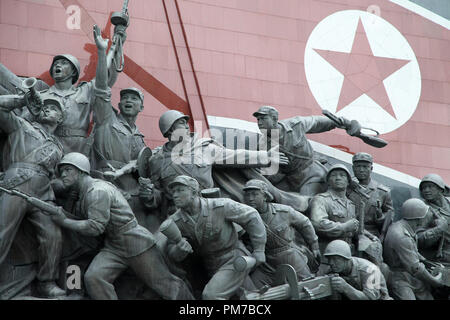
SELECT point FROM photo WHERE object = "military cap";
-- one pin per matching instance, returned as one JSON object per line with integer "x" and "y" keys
{"x": 186, "y": 181}
{"x": 256, "y": 184}
{"x": 132, "y": 90}
{"x": 56, "y": 101}
{"x": 266, "y": 110}
{"x": 362, "y": 156}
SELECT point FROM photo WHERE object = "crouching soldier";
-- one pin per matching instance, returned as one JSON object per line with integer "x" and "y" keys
{"x": 207, "y": 229}
{"x": 409, "y": 280}
{"x": 357, "y": 278}
{"x": 126, "y": 245}
{"x": 280, "y": 221}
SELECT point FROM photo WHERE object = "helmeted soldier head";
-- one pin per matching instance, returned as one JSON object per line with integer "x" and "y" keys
{"x": 338, "y": 177}
{"x": 432, "y": 187}
{"x": 172, "y": 120}
{"x": 362, "y": 165}
{"x": 131, "y": 102}
{"x": 414, "y": 209}
{"x": 267, "y": 117}
{"x": 256, "y": 194}
{"x": 184, "y": 190}
{"x": 338, "y": 253}
{"x": 65, "y": 66}
{"x": 52, "y": 111}
{"x": 72, "y": 167}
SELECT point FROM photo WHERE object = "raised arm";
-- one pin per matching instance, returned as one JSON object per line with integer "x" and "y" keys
{"x": 102, "y": 101}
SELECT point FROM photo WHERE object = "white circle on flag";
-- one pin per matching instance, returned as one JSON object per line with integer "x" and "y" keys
{"x": 399, "y": 90}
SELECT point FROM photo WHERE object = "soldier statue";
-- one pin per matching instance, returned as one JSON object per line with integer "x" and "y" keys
{"x": 117, "y": 140}
{"x": 30, "y": 156}
{"x": 332, "y": 213}
{"x": 280, "y": 221}
{"x": 303, "y": 174}
{"x": 207, "y": 229}
{"x": 409, "y": 279}
{"x": 434, "y": 234}
{"x": 357, "y": 278}
{"x": 376, "y": 197}
{"x": 186, "y": 154}
{"x": 126, "y": 244}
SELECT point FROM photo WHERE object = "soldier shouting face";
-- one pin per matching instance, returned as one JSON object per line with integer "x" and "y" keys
{"x": 130, "y": 104}
{"x": 62, "y": 69}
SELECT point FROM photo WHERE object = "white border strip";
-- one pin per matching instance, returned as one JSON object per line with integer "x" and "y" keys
{"x": 430, "y": 15}
{"x": 239, "y": 124}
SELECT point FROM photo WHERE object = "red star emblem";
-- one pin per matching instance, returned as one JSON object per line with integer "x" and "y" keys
{"x": 363, "y": 71}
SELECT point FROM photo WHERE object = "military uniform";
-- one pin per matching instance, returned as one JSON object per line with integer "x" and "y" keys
{"x": 379, "y": 200}
{"x": 116, "y": 143}
{"x": 434, "y": 242}
{"x": 77, "y": 102}
{"x": 212, "y": 236}
{"x": 196, "y": 160}
{"x": 30, "y": 156}
{"x": 328, "y": 213}
{"x": 304, "y": 174}
{"x": 126, "y": 245}
{"x": 281, "y": 221}
{"x": 367, "y": 277}
{"x": 401, "y": 254}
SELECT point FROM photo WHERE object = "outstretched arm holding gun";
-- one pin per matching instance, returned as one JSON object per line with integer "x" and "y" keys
{"x": 58, "y": 214}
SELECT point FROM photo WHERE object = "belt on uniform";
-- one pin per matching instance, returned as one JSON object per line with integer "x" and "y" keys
{"x": 67, "y": 132}
{"x": 30, "y": 166}
{"x": 126, "y": 227}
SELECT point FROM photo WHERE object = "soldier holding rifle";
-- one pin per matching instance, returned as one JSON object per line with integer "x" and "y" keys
{"x": 30, "y": 156}
{"x": 126, "y": 245}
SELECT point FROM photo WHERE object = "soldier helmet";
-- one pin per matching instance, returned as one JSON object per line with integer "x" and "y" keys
{"x": 338, "y": 248}
{"x": 266, "y": 110}
{"x": 414, "y": 209}
{"x": 185, "y": 181}
{"x": 72, "y": 60}
{"x": 168, "y": 118}
{"x": 76, "y": 159}
{"x": 339, "y": 166}
{"x": 256, "y": 184}
{"x": 436, "y": 179}
{"x": 362, "y": 156}
{"x": 133, "y": 90}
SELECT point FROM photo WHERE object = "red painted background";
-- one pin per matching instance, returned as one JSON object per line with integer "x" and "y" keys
{"x": 240, "y": 54}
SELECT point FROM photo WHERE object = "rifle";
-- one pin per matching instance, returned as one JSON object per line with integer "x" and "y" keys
{"x": 374, "y": 141}
{"x": 47, "y": 208}
{"x": 308, "y": 289}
